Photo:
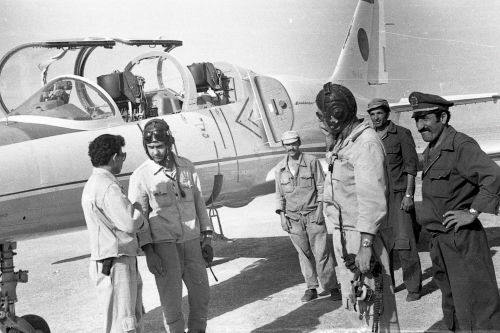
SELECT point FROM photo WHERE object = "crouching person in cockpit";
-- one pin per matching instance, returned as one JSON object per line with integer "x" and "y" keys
{"x": 113, "y": 225}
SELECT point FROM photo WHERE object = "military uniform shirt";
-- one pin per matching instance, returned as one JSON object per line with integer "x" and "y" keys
{"x": 458, "y": 175}
{"x": 401, "y": 156}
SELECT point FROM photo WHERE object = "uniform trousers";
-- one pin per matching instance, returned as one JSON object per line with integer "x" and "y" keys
{"x": 314, "y": 252}
{"x": 389, "y": 318}
{"x": 183, "y": 262}
{"x": 120, "y": 295}
{"x": 405, "y": 245}
{"x": 463, "y": 270}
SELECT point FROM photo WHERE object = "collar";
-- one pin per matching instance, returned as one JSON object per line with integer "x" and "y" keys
{"x": 356, "y": 132}
{"x": 284, "y": 162}
{"x": 156, "y": 168}
{"x": 447, "y": 144}
{"x": 391, "y": 128}
{"x": 105, "y": 173}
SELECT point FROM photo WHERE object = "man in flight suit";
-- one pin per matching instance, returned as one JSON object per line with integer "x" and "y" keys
{"x": 299, "y": 191}
{"x": 401, "y": 163}
{"x": 168, "y": 190}
{"x": 354, "y": 202}
{"x": 459, "y": 181}
{"x": 113, "y": 224}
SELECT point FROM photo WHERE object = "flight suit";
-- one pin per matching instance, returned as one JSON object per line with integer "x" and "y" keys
{"x": 355, "y": 201}
{"x": 177, "y": 216}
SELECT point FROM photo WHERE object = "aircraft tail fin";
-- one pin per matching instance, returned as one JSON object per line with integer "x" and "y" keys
{"x": 362, "y": 60}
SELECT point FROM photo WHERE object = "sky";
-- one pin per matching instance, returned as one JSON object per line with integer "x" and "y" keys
{"x": 446, "y": 47}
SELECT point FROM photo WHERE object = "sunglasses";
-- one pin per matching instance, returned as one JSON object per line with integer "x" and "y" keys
{"x": 156, "y": 135}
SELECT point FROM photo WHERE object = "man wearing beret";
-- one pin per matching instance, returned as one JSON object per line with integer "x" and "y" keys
{"x": 354, "y": 202}
{"x": 401, "y": 163}
{"x": 459, "y": 181}
{"x": 299, "y": 192}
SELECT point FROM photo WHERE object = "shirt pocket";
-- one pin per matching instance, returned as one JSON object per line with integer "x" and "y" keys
{"x": 394, "y": 154}
{"x": 306, "y": 180}
{"x": 439, "y": 179}
{"x": 343, "y": 172}
{"x": 286, "y": 183}
{"x": 162, "y": 195}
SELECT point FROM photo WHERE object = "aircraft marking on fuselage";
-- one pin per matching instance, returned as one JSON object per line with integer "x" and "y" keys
{"x": 203, "y": 128}
{"x": 243, "y": 121}
{"x": 218, "y": 128}
{"x": 234, "y": 146}
{"x": 314, "y": 150}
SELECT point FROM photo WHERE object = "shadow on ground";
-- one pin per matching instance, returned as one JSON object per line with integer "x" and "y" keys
{"x": 304, "y": 319}
{"x": 278, "y": 269}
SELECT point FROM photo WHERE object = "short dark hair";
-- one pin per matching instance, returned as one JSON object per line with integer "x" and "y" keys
{"x": 104, "y": 147}
{"x": 440, "y": 111}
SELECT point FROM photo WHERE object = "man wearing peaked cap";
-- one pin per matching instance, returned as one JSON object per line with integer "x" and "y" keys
{"x": 401, "y": 164}
{"x": 299, "y": 194}
{"x": 459, "y": 181}
{"x": 423, "y": 104}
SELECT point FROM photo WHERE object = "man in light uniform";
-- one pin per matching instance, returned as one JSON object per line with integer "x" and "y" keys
{"x": 168, "y": 189}
{"x": 113, "y": 223}
{"x": 355, "y": 204}
{"x": 299, "y": 191}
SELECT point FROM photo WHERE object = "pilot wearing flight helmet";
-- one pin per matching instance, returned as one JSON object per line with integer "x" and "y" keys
{"x": 167, "y": 189}
{"x": 354, "y": 203}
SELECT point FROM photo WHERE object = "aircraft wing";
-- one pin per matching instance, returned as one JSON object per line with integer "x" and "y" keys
{"x": 404, "y": 105}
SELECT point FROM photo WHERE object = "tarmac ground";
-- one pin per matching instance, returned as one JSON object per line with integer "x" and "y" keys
{"x": 259, "y": 287}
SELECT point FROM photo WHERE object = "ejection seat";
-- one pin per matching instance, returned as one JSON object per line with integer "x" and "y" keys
{"x": 207, "y": 77}
{"x": 124, "y": 88}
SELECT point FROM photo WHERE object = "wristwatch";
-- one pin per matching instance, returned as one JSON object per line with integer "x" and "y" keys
{"x": 408, "y": 196}
{"x": 474, "y": 212}
{"x": 366, "y": 243}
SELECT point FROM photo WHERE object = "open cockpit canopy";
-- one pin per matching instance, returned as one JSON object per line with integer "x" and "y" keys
{"x": 28, "y": 67}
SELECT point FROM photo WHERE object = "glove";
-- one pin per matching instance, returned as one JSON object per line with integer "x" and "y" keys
{"x": 208, "y": 253}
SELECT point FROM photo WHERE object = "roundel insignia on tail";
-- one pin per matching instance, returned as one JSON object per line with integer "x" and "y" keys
{"x": 364, "y": 46}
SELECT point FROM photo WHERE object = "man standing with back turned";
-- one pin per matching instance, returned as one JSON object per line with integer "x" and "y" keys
{"x": 355, "y": 204}
{"x": 459, "y": 181}
{"x": 299, "y": 194}
{"x": 113, "y": 224}
{"x": 401, "y": 163}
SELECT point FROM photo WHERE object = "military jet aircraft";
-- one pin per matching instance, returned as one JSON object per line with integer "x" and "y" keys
{"x": 227, "y": 119}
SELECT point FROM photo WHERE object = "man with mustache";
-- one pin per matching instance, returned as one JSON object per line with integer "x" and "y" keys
{"x": 401, "y": 163}
{"x": 459, "y": 181}
{"x": 168, "y": 190}
{"x": 299, "y": 191}
{"x": 355, "y": 204}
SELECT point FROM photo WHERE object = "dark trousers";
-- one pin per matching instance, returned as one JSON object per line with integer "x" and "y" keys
{"x": 405, "y": 232}
{"x": 410, "y": 265}
{"x": 463, "y": 270}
